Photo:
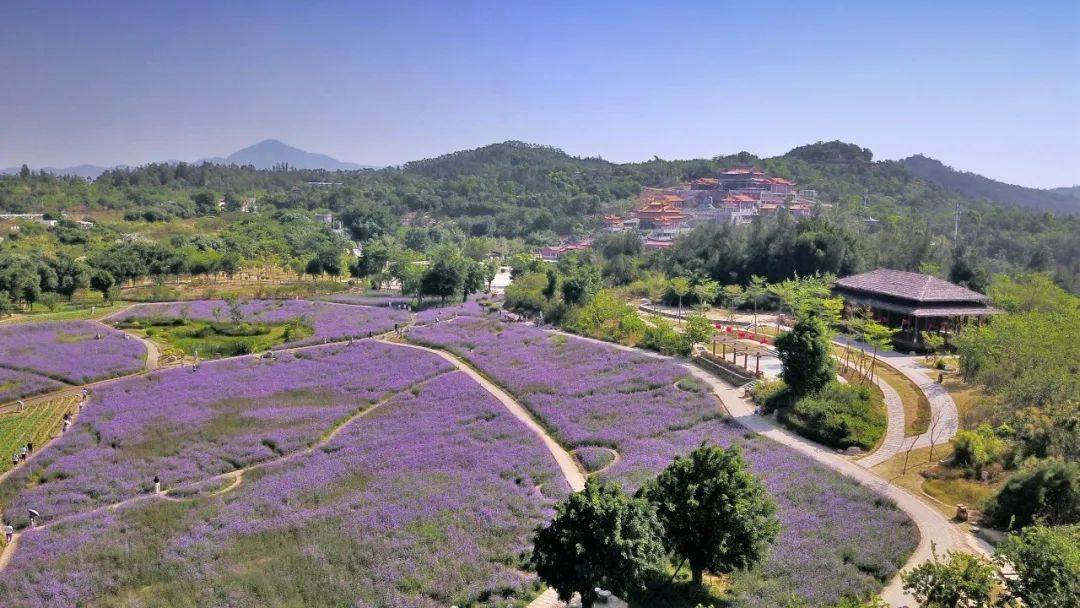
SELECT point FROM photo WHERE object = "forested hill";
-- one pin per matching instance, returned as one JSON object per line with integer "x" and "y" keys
{"x": 1059, "y": 200}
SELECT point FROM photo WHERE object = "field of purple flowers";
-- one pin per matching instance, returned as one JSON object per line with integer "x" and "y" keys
{"x": 329, "y": 320}
{"x": 367, "y": 299}
{"x": 838, "y": 538}
{"x": 76, "y": 352}
{"x": 425, "y": 502}
{"x": 184, "y": 425}
{"x": 16, "y": 384}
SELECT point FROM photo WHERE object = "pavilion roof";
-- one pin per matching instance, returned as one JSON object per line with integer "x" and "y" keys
{"x": 909, "y": 286}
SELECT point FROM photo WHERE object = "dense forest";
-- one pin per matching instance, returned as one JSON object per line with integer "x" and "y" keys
{"x": 517, "y": 195}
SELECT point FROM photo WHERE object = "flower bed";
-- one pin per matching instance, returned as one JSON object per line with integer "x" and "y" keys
{"x": 76, "y": 352}
{"x": 184, "y": 425}
{"x": 330, "y": 321}
{"x": 16, "y": 384}
{"x": 368, "y": 299}
{"x": 426, "y": 502}
{"x": 838, "y": 538}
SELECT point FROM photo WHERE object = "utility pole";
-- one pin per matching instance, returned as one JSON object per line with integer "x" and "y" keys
{"x": 956, "y": 225}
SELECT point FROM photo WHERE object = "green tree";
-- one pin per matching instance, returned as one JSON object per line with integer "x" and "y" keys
{"x": 879, "y": 337}
{"x": 734, "y": 296}
{"x": 680, "y": 288}
{"x": 755, "y": 291}
{"x": 806, "y": 356}
{"x": 1046, "y": 561}
{"x": 6, "y": 305}
{"x": 1049, "y": 493}
{"x": 716, "y": 515}
{"x": 445, "y": 277}
{"x": 699, "y": 329}
{"x": 102, "y": 280}
{"x": 962, "y": 580}
{"x": 599, "y": 538}
{"x": 706, "y": 291}
{"x": 581, "y": 284}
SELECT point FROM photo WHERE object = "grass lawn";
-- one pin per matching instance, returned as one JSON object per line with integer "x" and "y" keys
{"x": 945, "y": 492}
{"x": 916, "y": 406}
{"x": 205, "y": 289}
{"x": 37, "y": 423}
{"x": 217, "y": 339}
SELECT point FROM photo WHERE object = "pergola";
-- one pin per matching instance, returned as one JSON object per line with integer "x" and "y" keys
{"x": 736, "y": 346}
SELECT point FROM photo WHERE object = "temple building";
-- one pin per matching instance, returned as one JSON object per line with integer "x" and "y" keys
{"x": 913, "y": 303}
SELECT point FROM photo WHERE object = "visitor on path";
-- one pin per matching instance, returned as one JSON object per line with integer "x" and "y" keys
{"x": 33, "y": 516}
{"x": 22, "y": 405}
{"x": 22, "y": 453}
{"x": 85, "y": 393}
{"x": 9, "y": 532}
{"x": 29, "y": 446}
{"x": 15, "y": 459}
{"x": 67, "y": 423}
{"x": 157, "y": 485}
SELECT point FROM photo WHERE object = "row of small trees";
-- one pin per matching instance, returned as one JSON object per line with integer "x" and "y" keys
{"x": 705, "y": 510}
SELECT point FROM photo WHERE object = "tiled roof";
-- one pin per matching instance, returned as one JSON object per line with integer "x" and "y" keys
{"x": 909, "y": 285}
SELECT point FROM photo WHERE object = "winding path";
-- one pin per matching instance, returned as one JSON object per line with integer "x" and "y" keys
{"x": 573, "y": 474}
{"x": 933, "y": 526}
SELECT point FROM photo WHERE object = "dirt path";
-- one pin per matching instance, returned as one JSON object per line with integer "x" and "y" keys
{"x": 574, "y": 476}
{"x": 9, "y": 550}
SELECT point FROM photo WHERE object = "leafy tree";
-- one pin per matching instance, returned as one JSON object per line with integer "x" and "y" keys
{"x": 699, "y": 329}
{"x": 445, "y": 277}
{"x": 1046, "y": 561}
{"x": 680, "y": 287}
{"x": 581, "y": 284}
{"x": 6, "y": 305}
{"x": 879, "y": 337}
{"x": 706, "y": 291}
{"x": 962, "y": 580}
{"x": 599, "y": 538}
{"x": 734, "y": 296}
{"x": 475, "y": 278}
{"x": 367, "y": 221}
{"x": 552, "y": 286}
{"x": 755, "y": 291}
{"x": 102, "y": 280}
{"x": 716, "y": 515}
{"x": 806, "y": 356}
{"x": 1048, "y": 493}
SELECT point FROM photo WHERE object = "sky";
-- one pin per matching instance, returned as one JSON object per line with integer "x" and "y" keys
{"x": 990, "y": 87}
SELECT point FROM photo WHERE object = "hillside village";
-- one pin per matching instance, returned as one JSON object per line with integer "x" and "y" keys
{"x": 736, "y": 196}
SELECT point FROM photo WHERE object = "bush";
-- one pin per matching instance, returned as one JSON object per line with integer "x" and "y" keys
{"x": 975, "y": 450}
{"x": 771, "y": 395}
{"x": 1048, "y": 494}
{"x": 840, "y": 416}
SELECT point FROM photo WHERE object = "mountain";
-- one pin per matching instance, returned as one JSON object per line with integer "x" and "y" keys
{"x": 83, "y": 171}
{"x": 269, "y": 153}
{"x": 1059, "y": 200}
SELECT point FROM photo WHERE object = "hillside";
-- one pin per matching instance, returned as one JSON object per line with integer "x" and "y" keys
{"x": 1059, "y": 200}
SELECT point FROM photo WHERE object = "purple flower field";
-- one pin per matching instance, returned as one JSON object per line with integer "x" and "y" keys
{"x": 15, "y": 384}
{"x": 185, "y": 425}
{"x": 838, "y": 538}
{"x": 76, "y": 352}
{"x": 330, "y": 321}
{"x": 382, "y": 515}
{"x": 367, "y": 299}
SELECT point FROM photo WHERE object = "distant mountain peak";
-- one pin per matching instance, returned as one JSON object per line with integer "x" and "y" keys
{"x": 269, "y": 153}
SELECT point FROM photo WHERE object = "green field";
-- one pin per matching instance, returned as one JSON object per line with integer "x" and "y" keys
{"x": 215, "y": 338}
{"x": 37, "y": 423}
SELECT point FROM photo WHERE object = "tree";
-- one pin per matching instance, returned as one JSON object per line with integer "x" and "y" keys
{"x": 706, "y": 292}
{"x": 475, "y": 276}
{"x": 372, "y": 262}
{"x": 699, "y": 329}
{"x": 1048, "y": 494}
{"x": 806, "y": 356}
{"x": 933, "y": 341}
{"x": 716, "y": 515}
{"x": 1047, "y": 565}
{"x": 879, "y": 337}
{"x": 734, "y": 296}
{"x": 445, "y": 277}
{"x": 599, "y": 538}
{"x": 101, "y": 280}
{"x": 962, "y": 580}
{"x": 755, "y": 290}
{"x": 6, "y": 305}
{"x": 24, "y": 172}
{"x": 680, "y": 287}
{"x": 581, "y": 284}
{"x": 552, "y": 286}
{"x": 71, "y": 275}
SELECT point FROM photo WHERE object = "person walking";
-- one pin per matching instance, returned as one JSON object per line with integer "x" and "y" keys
{"x": 22, "y": 453}
{"x": 15, "y": 459}
{"x": 157, "y": 485}
{"x": 67, "y": 423}
{"x": 22, "y": 405}
{"x": 9, "y": 533}
{"x": 33, "y": 516}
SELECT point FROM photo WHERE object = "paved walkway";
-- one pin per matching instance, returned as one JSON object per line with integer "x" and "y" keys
{"x": 944, "y": 417}
{"x": 893, "y": 443}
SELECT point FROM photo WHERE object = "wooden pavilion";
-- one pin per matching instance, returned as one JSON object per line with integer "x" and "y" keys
{"x": 913, "y": 303}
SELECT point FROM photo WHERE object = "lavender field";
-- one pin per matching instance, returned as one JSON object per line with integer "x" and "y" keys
{"x": 75, "y": 352}
{"x": 185, "y": 425}
{"x": 425, "y": 502}
{"x": 330, "y": 321}
{"x": 15, "y": 384}
{"x": 838, "y": 538}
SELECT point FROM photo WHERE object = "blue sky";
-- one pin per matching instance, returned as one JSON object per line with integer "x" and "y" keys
{"x": 991, "y": 87}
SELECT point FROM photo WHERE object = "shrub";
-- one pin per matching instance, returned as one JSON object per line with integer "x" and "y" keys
{"x": 840, "y": 416}
{"x": 771, "y": 395}
{"x": 1047, "y": 565}
{"x": 975, "y": 450}
{"x": 1048, "y": 494}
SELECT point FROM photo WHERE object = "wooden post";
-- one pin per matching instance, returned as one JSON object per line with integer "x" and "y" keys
{"x": 714, "y": 348}
{"x": 757, "y": 364}
{"x": 746, "y": 360}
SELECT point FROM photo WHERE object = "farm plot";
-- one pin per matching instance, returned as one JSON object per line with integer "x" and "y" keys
{"x": 75, "y": 352}
{"x": 838, "y": 538}
{"x": 36, "y": 424}
{"x": 425, "y": 502}
{"x": 183, "y": 425}
{"x": 316, "y": 322}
